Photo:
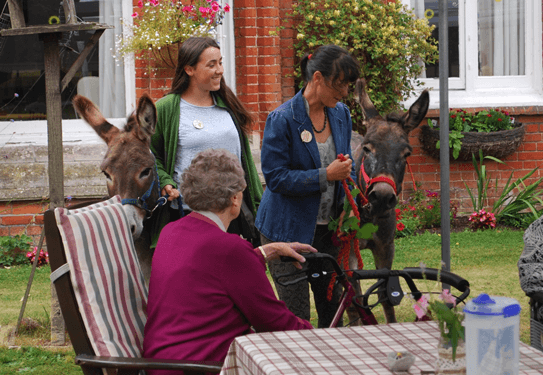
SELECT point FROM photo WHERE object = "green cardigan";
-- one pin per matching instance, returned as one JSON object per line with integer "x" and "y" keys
{"x": 164, "y": 147}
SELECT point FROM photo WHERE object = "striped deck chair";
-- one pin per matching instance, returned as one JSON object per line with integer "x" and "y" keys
{"x": 101, "y": 290}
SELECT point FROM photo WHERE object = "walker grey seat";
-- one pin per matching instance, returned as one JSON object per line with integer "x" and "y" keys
{"x": 530, "y": 266}
{"x": 101, "y": 290}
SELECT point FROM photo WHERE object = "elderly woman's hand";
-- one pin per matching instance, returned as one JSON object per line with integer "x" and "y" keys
{"x": 292, "y": 249}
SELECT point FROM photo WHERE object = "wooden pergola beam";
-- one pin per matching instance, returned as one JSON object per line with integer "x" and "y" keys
{"x": 16, "y": 14}
{"x": 80, "y": 59}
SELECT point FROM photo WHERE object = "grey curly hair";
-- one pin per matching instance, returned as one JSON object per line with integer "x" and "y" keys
{"x": 212, "y": 178}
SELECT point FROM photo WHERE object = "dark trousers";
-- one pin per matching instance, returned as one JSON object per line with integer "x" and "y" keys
{"x": 296, "y": 296}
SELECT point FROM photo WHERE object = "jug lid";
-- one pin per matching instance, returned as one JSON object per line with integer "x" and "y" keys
{"x": 484, "y": 304}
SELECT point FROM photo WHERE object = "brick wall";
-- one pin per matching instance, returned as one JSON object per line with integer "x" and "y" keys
{"x": 528, "y": 156}
{"x": 264, "y": 65}
{"x": 26, "y": 217}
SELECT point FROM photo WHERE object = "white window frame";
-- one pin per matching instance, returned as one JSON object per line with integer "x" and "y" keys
{"x": 225, "y": 38}
{"x": 472, "y": 90}
{"x": 129, "y": 62}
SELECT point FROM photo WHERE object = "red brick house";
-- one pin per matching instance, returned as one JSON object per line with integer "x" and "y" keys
{"x": 264, "y": 63}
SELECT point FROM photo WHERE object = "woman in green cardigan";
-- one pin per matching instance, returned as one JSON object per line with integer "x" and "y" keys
{"x": 201, "y": 112}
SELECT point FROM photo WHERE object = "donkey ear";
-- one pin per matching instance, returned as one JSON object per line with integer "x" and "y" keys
{"x": 364, "y": 100}
{"x": 146, "y": 118}
{"x": 92, "y": 115}
{"x": 417, "y": 112}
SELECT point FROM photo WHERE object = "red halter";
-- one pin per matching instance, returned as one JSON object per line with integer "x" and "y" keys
{"x": 372, "y": 181}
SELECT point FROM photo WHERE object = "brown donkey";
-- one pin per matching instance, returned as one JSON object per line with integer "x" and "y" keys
{"x": 383, "y": 152}
{"x": 129, "y": 166}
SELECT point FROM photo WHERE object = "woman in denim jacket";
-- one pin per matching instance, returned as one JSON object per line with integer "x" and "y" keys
{"x": 303, "y": 193}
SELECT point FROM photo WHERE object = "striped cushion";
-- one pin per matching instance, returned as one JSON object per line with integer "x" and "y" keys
{"x": 113, "y": 200}
{"x": 108, "y": 283}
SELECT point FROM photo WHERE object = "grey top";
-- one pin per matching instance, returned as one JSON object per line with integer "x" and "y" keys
{"x": 201, "y": 128}
{"x": 327, "y": 153}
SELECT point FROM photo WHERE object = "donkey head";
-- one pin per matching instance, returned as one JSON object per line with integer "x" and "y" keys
{"x": 129, "y": 165}
{"x": 385, "y": 148}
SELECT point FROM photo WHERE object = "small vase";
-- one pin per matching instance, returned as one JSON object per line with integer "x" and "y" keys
{"x": 445, "y": 363}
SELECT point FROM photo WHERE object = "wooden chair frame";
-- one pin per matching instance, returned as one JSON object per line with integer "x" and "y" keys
{"x": 85, "y": 355}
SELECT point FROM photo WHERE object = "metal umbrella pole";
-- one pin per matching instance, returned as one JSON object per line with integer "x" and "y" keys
{"x": 444, "y": 135}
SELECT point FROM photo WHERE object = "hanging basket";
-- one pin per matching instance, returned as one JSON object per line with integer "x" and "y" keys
{"x": 498, "y": 144}
{"x": 166, "y": 57}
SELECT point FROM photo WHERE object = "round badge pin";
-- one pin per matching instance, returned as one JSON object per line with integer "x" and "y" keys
{"x": 198, "y": 124}
{"x": 306, "y": 136}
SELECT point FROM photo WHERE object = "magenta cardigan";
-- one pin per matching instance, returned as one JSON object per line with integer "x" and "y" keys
{"x": 207, "y": 287}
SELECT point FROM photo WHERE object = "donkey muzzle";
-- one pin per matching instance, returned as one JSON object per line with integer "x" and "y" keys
{"x": 382, "y": 197}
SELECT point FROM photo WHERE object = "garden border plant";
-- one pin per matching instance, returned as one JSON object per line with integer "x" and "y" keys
{"x": 421, "y": 210}
{"x": 13, "y": 249}
{"x": 388, "y": 40}
{"x": 509, "y": 205}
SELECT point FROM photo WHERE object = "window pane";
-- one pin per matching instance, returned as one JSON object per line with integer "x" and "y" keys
{"x": 501, "y": 28}
{"x": 430, "y": 10}
{"x": 22, "y": 76}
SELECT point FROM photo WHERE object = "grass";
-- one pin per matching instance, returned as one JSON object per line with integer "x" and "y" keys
{"x": 30, "y": 352}
{"x": 37, "y": 360}
{"x": 487, "y": 259}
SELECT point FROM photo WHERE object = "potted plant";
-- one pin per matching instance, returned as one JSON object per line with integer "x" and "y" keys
{"x": 451, "y": 351}
{"x": 159, "y": 26}
{"x": 492, "y": 131}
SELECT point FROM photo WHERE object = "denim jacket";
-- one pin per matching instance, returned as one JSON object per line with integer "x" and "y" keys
{"x": 292, "y": 170}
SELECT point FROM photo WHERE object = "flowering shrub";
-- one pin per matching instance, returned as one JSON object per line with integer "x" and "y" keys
{"x": 422, "y": 210}
{"x": 161, "y": 23}
{"x": 43, "y": 257}
{"x": 390, "y": 42}
{"x": 482, "y": 220}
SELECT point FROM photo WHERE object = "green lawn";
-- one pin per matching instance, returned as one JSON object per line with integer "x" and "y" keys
{"x": 488, "y": 260}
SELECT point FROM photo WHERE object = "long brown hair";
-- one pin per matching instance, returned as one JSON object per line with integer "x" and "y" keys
{"x": 189, "y": 55}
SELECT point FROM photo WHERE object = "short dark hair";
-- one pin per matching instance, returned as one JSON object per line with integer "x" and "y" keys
{"x": 332, "y": 61}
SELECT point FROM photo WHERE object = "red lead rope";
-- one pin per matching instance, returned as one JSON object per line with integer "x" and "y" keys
{"x": 346, "y": 239}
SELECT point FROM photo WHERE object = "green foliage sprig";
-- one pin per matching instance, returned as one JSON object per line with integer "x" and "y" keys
{"x": 389, "y": 41}
{"x": 351, "y": 224}
{"x": 445, "y": 311}
{"x": 161, "y": 23}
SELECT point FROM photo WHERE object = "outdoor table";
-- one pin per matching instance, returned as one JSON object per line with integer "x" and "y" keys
{"x": 349, "y": 350}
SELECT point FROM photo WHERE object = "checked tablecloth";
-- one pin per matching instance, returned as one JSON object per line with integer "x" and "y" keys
{"x": 350, "y": 350}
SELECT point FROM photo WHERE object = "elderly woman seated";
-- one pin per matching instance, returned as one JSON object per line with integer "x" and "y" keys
{"x": 208, "y": 286}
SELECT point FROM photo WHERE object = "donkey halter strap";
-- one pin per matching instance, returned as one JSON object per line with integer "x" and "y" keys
{"x": 374, "y": 180}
